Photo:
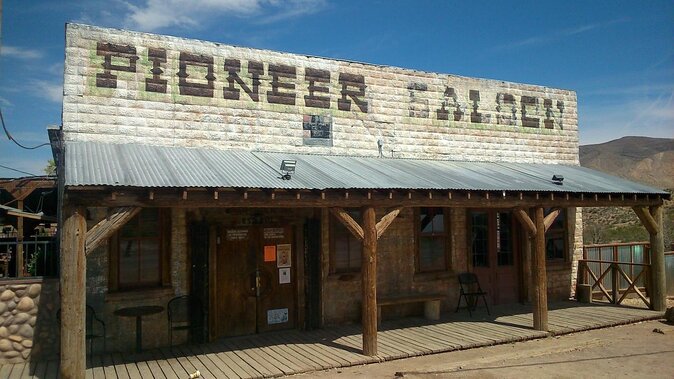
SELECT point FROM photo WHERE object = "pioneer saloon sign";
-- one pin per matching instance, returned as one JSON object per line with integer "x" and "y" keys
{"x": 194, "y": 76}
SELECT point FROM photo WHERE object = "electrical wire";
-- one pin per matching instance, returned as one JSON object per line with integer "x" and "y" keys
{"x": 17, "y": 142}
{"x": 13, "y": 169}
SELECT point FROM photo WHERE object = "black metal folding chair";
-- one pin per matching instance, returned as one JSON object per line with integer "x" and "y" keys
{"x": 95, "y": 328}
{"x": 185, "y": 313}
{"x": 471, "y": 292}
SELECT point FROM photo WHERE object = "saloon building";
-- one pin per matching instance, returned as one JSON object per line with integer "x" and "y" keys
{"x": 287, "y": 191}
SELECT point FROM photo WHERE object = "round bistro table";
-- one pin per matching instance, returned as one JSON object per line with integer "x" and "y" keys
{"x": 138, "y": 312}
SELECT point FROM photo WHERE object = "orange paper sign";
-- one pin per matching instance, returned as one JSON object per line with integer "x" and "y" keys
{"x": 270, "y": 253}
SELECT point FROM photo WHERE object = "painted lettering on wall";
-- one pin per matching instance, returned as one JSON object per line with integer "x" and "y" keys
{"x": 196, "y": 77}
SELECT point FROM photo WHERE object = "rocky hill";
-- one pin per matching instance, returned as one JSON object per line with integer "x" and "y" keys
{"x": 641, "y": 159}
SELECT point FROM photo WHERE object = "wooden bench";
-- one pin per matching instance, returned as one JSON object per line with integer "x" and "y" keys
{"x": 431, "y": 303}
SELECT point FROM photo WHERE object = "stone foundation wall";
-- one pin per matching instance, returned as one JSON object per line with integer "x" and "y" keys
{"x": 28, "y": 323}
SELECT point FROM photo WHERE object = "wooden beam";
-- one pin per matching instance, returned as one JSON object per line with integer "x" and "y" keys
{"x": 108, "y": 226}
{"x": 369, "y": 282}
{"x": 349, "y": 223}
{"x": 11, "y": 211}
{"x": 20, "y": 268}
{"x": 551, "y": 217}
{"x": 20, "y": 189}
{"x": 524, "y": 219}
{"x": 73, "y": 294}
{"x": 646, "y": 219}
{"x": 539, "y": 275}
{"x": 386, "y": 221}
{"x": 527, "y": 240}
{"x": 659, "y": 290}
{"x": 337, "y": 198}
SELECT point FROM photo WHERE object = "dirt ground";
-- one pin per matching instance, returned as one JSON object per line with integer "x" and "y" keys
{"x": 642, "y": 350}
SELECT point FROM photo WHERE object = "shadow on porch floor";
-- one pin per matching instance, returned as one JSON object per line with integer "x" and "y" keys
{"x": 290, "y": 352}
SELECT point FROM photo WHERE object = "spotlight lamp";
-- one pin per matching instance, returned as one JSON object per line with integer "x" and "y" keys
{"x": 287, "y": 168}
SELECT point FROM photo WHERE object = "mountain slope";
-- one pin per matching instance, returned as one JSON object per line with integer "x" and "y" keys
{"x": 641, "y": 159}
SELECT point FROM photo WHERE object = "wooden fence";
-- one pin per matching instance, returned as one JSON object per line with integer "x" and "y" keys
{"x": 614, "y": 271}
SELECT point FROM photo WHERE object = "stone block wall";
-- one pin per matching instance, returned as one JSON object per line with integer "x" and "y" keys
{"x": 395, "y": 270}
{"x": 562, "y": 275}
{"x": 121, "y": 330}
{"x": 28, "y": 323}
{"x": 161, "y": 90}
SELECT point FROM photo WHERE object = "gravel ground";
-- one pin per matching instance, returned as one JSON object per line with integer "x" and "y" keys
{"x": 642, "y": 350}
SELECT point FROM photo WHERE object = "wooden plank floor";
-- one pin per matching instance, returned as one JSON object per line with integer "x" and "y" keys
{"x": 291, "y": 352}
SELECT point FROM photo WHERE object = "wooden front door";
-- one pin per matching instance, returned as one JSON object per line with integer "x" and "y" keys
{"x": 255, "y": 278}
{"x": 493, "y": 248}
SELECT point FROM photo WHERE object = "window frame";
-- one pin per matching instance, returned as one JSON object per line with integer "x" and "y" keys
{"x": 445, "y": 234}
{"x": 164, "y": 266}
{"x": 493, "y": 235}
{"x": 335, "y": 225}
{"x": 557, "y": 233}
{"x": 469, "y": 237}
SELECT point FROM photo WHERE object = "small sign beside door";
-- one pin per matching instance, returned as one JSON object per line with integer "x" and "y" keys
{"x": 283, "y": 253}
{"x": 237, "y": 234}
{"x": 284, "y": 275}
{"x": 277, "y": 316}
{"x": 273, "y": 233}
{"x": 270, "y": 253}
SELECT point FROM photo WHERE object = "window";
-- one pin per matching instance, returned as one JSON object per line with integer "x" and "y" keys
{"x": 346, "y": 249}
{"x": 491, "y": 238}
{"x": 504, "y": 239}
{"x": 431, "y": 240}
{"x": 555, "y": 238}
{"x": 140, "y": 252}
{"x": 479, "y": 240}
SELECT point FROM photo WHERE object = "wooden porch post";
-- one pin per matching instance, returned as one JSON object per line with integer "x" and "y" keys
{"x": 73, "y": 294}
{"x": 651, "y": 218}
{"x": 368, "y": 234}
{"x": 526, "y": 266}
{"x": 659, "y": 290}
{"x": 539, "y": 275}
{"x": 369, "y": 282}
{"x": 20, "y": 266}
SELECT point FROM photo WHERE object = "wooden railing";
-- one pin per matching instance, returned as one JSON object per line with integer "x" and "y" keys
{"x": 28, "y": 258}
{"x": 600, "y": 274}
{"x": 624, "y": 268}
{"x": 630, "y": 252}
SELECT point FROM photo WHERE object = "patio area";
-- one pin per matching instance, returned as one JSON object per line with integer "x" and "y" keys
{"x": 291, "y": 352}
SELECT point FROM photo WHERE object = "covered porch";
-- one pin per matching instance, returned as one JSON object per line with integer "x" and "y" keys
{"x": 329, "y": 185}
{"x": 290, "y": 352}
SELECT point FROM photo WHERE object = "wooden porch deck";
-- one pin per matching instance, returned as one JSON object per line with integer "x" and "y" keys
{"x": 291, "y": 352}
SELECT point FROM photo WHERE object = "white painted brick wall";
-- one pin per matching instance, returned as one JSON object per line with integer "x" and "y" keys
{"x": 131, "y": 114}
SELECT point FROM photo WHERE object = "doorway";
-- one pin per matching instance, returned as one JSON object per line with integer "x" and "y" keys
{"x": 493, "y": 249}
{"x": 256, "y": 280}
{"x": 199, "y": 247}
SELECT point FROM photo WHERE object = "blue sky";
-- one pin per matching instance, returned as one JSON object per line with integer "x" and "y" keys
{"x": 617, "y": 55}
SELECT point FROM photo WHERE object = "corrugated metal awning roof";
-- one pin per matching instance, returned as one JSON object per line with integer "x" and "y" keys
{"x": 134, "y": 165}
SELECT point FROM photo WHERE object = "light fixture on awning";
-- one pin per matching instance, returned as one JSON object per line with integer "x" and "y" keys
{"x": 287, "y": 167}
{"x": 557, "y": 179}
